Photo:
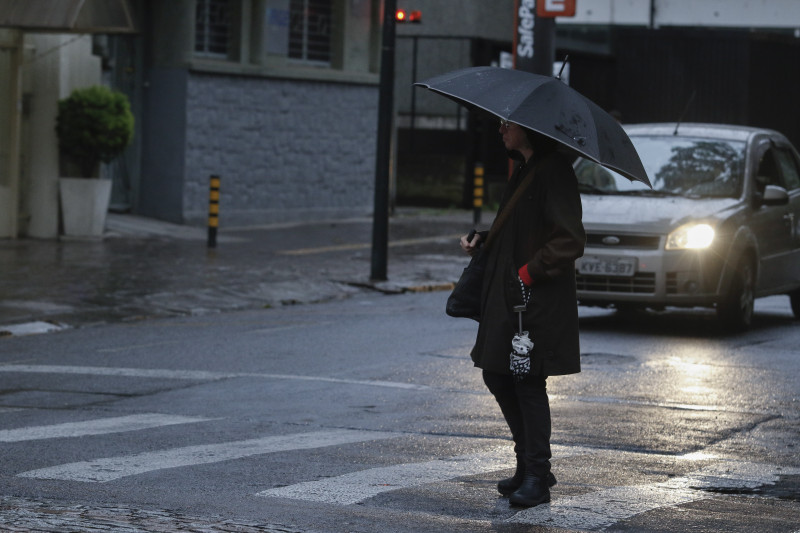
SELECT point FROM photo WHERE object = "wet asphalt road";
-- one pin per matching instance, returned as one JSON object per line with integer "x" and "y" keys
{"x": 364, "y": 414}
{"x": 152, "y": 410}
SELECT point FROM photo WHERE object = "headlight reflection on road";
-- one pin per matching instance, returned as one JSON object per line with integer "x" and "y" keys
{"x": 692, "y": 377}
{"x": 699, "y": 456}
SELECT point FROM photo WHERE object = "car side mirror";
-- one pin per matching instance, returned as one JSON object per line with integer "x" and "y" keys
{"x": 774, "y": 195}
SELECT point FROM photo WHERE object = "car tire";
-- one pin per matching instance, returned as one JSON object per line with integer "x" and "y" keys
{"x": 735, "y": 309}
{"x": 794, "y": 298}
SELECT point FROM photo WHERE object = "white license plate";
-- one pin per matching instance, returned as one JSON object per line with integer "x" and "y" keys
{"x": 607, "y": 266}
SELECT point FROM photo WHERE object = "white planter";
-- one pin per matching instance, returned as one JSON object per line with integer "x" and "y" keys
{"x": 84, "y": 204}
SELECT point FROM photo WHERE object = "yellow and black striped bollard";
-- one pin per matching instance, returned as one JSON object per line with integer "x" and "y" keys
{"x": 477, "y": 193}
{"x": 213, "y": 211}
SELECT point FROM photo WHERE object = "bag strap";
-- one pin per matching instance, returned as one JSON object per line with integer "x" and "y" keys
{"x": 509, "y": 207}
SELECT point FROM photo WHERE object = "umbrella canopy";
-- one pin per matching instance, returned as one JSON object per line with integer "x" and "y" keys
{"x": 545, "y": 105}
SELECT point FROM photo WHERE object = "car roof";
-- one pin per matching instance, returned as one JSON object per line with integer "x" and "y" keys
{"x": 695, "y": 129}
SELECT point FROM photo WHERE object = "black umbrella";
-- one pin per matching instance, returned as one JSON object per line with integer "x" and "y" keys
{"x": 545, "y": 105}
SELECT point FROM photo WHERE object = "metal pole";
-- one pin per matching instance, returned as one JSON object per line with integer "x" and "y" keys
{"x": 544, "y": 45}
{"x": 9, "y": 211}
{"x": 380, "y": 224}
{"x": 414, "y": 79}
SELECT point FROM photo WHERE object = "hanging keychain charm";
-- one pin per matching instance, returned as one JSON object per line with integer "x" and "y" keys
{"x": 521, "y": 344}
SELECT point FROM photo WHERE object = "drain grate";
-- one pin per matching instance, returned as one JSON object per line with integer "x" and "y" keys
{"x": 787, "y": 488}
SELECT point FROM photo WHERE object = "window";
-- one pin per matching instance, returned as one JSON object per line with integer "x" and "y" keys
{"x": 694, "y": 167}
{"x": 790, "y": 174}
{"x": 310, "y": 31}
{"x": 212, "y": 28}
{"x": 768, "y": 173}
{"x": 336, "y": 38}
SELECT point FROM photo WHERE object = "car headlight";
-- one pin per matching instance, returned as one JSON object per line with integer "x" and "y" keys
{"x": 691, "y": 237}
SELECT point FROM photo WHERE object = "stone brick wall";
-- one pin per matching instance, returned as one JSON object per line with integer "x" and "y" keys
{"x": 286, "y": 150}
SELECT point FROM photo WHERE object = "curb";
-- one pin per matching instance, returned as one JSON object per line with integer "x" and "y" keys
{"x": 389, "y": 287}
{"x": 31, "y": 328}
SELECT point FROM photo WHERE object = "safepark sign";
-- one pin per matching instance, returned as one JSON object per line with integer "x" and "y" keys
{"x": 526, "y": 25}
{"x": 555, "y": 8}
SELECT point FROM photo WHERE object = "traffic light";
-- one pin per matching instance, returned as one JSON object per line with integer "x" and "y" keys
{"x": 408, "y": 16}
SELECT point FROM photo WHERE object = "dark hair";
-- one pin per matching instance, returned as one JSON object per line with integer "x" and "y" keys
{"x": 541, "y": 144}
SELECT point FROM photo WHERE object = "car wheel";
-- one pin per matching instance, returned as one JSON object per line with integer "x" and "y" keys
{"x": 794, "y": 297}
{"x": 735, "y": 309}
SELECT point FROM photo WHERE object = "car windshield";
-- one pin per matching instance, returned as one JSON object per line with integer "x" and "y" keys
{"x": 676, "y": 166}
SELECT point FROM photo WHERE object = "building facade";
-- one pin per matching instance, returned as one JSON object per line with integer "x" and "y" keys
{"x": 36, "y": 70}
{"x": 277, "y": 97}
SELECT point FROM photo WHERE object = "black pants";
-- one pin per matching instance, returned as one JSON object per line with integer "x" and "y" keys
{"x": 527, "y": 411}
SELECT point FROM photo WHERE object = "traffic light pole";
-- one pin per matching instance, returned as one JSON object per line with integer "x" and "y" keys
{"x": 380, "y": 222}
{"x": 544, "y": 45}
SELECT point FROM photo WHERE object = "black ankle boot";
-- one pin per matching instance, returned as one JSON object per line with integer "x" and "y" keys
{"x": 509, "y": 485}
{"x": 532, "y": 492}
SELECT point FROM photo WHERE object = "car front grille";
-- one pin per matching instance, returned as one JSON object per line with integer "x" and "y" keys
{"x": 637, "y": 242}
{"x": 672, "y": 283}
{"x": 639, "y": 283}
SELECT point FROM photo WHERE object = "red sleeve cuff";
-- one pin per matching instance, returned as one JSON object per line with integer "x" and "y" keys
{"x": 525, "y": 276}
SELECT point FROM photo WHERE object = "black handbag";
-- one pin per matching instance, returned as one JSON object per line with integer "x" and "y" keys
{"x": 465, "y": 299}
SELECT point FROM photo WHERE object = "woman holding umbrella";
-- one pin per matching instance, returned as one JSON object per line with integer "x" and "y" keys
{"x": 531, "y": 249}
{"x": 531, "y": 260}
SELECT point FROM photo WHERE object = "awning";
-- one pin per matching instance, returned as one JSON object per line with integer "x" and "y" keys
{"x": 67, "y": 16}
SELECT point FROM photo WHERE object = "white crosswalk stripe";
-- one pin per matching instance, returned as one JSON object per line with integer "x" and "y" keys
{"x": 200, "y": 375}
{"x": 111, "y": 468}
{"x": 155, "y": 373}
{"x": 358, "y": 486}
{"x": 603, "y": 508}
{"x": 101, "y": 426}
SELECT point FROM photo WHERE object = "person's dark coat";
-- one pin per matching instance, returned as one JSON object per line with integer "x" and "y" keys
{"x": 544, "y": 232}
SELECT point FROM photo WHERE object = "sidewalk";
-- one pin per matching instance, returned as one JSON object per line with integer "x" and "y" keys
{"x": 146, "y": 268}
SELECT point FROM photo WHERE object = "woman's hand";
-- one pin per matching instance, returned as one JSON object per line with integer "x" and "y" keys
{"x": 471, "y": 242}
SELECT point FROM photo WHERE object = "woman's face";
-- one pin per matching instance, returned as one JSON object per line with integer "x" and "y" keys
{"x": 513, "y": 137}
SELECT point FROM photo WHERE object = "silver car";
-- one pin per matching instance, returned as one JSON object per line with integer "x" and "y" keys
{"x": 720, "y": 228}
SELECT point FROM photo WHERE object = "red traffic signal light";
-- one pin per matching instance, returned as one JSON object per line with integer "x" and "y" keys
{"x": 408, "y": 16}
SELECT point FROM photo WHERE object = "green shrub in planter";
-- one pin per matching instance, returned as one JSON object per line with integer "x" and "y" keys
{"x": 93, "y": 124}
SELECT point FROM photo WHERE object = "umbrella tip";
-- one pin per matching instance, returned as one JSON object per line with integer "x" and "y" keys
{"x": 563, "y": 64}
